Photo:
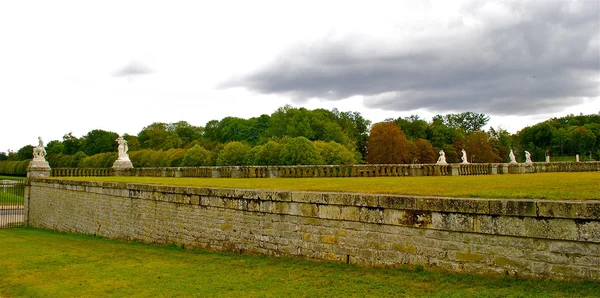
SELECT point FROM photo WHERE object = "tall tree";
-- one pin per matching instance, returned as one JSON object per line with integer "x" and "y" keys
{"x": 71, "y": 144}
{"x": 99, "y": 141}
{"x": 467, "y": 121}
{"x": 387, "y": 144}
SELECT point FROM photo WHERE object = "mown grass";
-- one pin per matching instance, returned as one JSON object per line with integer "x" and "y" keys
{"x": 11, "y": 177}
{"x": 553, "y": 186}
{"x": 38, "y": 263}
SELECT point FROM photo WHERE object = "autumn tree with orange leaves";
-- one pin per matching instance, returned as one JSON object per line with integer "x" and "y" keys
{"x": 387, "y": 144}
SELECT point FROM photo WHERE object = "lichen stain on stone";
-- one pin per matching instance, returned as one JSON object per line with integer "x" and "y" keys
{"x": 416, "y": 218}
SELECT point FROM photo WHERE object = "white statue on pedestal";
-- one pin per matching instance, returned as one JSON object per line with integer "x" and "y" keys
{"x": 528, "y": 157}
{"x": 123, "y": 161}
{"x": 122, "y": 149}
{"x": 39, "y": 153}
{"x": 464, "y": 157}
{"x": 511, "y": 155}
{"x": 442, "y": 159}
{"x": 38, "y": 167}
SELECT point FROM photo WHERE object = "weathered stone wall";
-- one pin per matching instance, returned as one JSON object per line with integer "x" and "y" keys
{"x": 532, "y": 238}
{"x": 379, "y": 170}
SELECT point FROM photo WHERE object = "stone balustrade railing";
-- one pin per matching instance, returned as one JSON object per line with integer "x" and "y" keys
{"x": 379, "y": 170}
{"x": 81, "y": 172}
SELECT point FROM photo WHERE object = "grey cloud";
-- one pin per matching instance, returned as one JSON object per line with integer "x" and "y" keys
{"x": 544, "y": 58}
{"x": 134, "y": 68}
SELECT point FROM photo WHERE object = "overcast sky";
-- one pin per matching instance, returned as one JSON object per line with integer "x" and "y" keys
{"x": 75, "y": 66}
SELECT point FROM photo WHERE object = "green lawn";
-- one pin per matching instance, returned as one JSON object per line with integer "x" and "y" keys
{"x": 36, "y": 263}
{"x": 567, "y": 186}
{"x": 12, "y": 177}
{"x": 11, "y": 195}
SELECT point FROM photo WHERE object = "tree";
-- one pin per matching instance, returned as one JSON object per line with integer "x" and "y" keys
{"x": 233, "y": 154}
{"x": 424, "y": 152}
{"x": 467, "y": 121}
{"x": 55, "y": 147}
{"x": 479, "y": 148}
{"x": 582, "y": 140}
{"x": 299, "y": 151}
{"x": 26, "y": 152}
{"x": 196, "y": 156}
{"x": 71, "y": 144}
{"x": 333, "y": 153}
{"x": 159, "y": 136}
{"x": 132, "y": 142}
{"x": 413, "y": 127}
{"x": 387, "y": 144}
{"x": 3, "y": 156}
{"x": 267, "y": 154}
{"x": 99, "y": 141}
{"x": 502, "y": 142}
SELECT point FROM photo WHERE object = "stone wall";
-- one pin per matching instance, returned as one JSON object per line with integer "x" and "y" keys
{"x": 530, "y": 238}
{"x": 379, "y": 170}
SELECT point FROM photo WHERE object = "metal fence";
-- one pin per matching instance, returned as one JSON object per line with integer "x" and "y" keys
{"x": 11, "y": 203}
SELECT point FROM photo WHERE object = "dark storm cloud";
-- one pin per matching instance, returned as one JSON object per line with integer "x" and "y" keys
{"x": 525, "y": 58}
{"x": 132, "y": 69}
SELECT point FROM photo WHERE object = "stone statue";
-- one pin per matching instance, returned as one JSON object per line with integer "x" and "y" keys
{"x": 123, "y": 162}
{"x": 464, "y": 157}
{"x": 122, "y": 149}
{"x": 442, "y": 159}
{"x": 39, "y": 153}
{"x": 38, "y": 167}
{"x": 511, "y": 155}
{"x": 528, "y": 157}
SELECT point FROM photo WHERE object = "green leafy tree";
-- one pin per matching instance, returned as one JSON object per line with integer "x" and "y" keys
{"x": 413, "y": 127}
{"x": 25, "y": 153}
{"x": 333, "y": 153}
{"x": 197, "y": 156}
{"x": 99, "y": 141}
{"x": 467, "y": 121}
{"x": 71, "y": 144}
{"x": 233, "y": 154}
{"x": 582, "y": 140}
{"x": 159, "y": 136}
{"x": 299, "y": 151}
{"x": 54, "y": 147}
{"x": 132, "y": 142}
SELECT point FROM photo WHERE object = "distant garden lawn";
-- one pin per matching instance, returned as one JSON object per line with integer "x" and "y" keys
{"x": 552, "y": 186}
{"x": 36, "y": 263}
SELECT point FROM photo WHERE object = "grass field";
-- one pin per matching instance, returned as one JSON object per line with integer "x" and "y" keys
{"x": 38, "y": 263}
{"x": 553, "y": 186}
{"x": 11, "y": 195}
{"x": 12, "y": 177}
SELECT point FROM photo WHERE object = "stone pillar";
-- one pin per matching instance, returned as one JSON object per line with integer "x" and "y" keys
{"x": 493, "y": 169}
{"x": 504, "y": 167}
{"x": 547, "y": 158}
{"x": 216, "y": 174}
{"x": 237, "y": 173}
{"x": 577, "y": 157}
{"x": 454, "y": 170}
{"x": 38, "y": 169}
{"x": 273, "y": 173}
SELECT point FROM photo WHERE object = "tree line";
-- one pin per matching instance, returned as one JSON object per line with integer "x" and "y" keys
{"x": 298, "y": 136}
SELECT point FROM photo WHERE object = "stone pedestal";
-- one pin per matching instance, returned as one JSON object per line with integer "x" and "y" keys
{"x": 38, "y": 167}
{"x": 237, "y": 173}
{"x": 122, "y": 164}
{"x": 121, "y": 167}
{"x": 454, "y": 170}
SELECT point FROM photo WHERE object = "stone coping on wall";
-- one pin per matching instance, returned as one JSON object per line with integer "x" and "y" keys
{"x": 573, "y": 220}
